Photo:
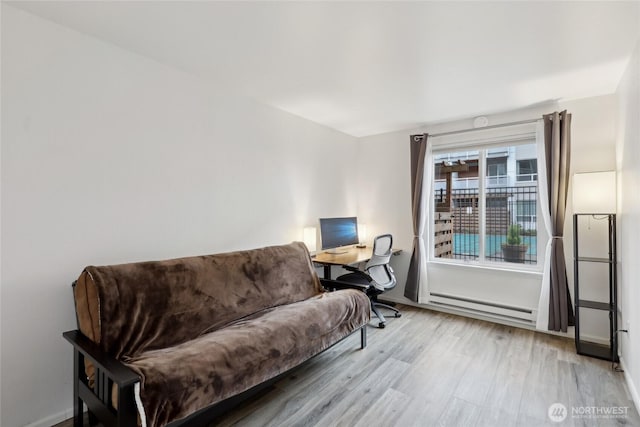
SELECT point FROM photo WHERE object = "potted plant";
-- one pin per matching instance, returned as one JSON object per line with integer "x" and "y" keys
{"x": 513, "y": 250}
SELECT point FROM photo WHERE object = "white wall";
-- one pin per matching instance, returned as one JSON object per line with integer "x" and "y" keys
{"x": 628, "y": 161}
{"x": 593, "y": 148}
{"x": 593, "y": 133}
{"x": 384, "y": 199}
{"x": 109, "y": 157}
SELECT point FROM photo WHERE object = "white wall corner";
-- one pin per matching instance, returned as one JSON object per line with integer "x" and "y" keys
{"x": 631, "y": 387}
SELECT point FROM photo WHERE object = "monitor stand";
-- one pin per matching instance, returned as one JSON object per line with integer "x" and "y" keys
{"x": 337, "y": 251}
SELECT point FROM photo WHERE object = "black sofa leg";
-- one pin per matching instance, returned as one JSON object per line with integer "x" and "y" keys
{"x": 78, "y": 416}
{"x": 363, "y": 337}
{"x": 78, "y": 405}
{"x": 93, "y": 420}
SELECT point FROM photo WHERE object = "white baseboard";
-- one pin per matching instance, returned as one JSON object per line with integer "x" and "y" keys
{"x": 461, "y": 312}
{"x": 54, "y": 419}
{"x": 473, "y": 315}
{"x": 633, "y": 391}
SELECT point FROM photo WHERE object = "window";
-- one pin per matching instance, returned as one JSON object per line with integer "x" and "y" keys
{"x": 497, "y": 171}
{"x": 527, "y": 170}
{"x": 474, "y": 212}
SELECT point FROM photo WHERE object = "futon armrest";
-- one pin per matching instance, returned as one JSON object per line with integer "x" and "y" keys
{"x": 337, "y": 284}
{"x": 120, "y": 373}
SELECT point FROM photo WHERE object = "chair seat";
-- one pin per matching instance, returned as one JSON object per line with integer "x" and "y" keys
{"x": 353, "y": 278}
{"x": 360, "y": 279}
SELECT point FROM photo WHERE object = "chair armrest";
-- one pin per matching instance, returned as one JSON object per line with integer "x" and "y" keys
{"x": 351, "y": 268}
{"x": 120, "y": 373}
{"x": 337, "y": 284}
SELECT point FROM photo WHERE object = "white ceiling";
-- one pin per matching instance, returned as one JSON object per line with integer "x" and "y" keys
{"x": 371, "y": 67}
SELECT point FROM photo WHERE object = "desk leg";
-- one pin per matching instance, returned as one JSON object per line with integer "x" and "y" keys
{"x": 327, "y": 271}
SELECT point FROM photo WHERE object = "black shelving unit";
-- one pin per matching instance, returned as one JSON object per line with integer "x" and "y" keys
{"x": 583, "y": 346}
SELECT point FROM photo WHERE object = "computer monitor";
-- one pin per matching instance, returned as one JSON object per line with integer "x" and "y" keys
{"x": 335, "y": 233}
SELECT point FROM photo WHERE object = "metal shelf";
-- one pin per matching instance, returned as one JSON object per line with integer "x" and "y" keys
{"x": 597, "y": 305}
{"x": 592, "y": 259}
{"x": 588, "y": 348}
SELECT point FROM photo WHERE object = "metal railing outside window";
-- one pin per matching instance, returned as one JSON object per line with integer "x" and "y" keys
{"x": 504, "y": 206}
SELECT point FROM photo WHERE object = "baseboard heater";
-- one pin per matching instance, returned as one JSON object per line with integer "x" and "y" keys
{"x": 485, "y": 308}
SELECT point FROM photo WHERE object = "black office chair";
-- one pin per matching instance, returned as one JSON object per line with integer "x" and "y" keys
{"x": 378, "y": 274}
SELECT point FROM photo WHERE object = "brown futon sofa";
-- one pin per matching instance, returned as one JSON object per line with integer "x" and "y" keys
{"x": 177, "y": 342}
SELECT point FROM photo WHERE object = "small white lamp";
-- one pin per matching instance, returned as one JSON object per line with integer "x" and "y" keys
{"x": 362, "y": 236}
{"x": 309, "y": 238}
{"x": 594, "y": 192}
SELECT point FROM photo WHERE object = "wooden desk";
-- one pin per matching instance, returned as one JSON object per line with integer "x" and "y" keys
{"x": 352, "y": 256}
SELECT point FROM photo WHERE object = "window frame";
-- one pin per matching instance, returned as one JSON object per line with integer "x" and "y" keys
{"x": 482, "y": 141}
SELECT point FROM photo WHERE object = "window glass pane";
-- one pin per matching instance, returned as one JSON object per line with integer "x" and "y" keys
{"x": 510, "y": 203}
{"x": 456, "y": 205}
{"x": 496, "y": 168}
{"x": 510, "y": 226}
{"x": 527, "y": 170}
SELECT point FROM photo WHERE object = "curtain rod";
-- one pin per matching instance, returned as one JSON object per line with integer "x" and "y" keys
{"x": 453, "y": 132}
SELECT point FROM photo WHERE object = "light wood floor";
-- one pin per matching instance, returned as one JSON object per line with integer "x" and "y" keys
{"x": 433, "y": 369}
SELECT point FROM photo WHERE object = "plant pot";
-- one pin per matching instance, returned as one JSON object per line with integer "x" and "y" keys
{"x": 514, "y": 253}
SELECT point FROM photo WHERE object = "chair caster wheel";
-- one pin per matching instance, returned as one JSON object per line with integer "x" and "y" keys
{"x": 381, "y": 325}
{"x": 398, "y": 314}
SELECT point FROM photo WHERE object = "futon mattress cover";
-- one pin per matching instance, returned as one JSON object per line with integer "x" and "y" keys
{"x": 180, "y": 380}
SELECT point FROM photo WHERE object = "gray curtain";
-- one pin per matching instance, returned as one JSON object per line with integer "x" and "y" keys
{"x": 557, "y": 144}
{"x": 418, "y": 151}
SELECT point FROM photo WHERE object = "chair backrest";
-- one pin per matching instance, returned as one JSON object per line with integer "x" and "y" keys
{"x": 378, "y": 266}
